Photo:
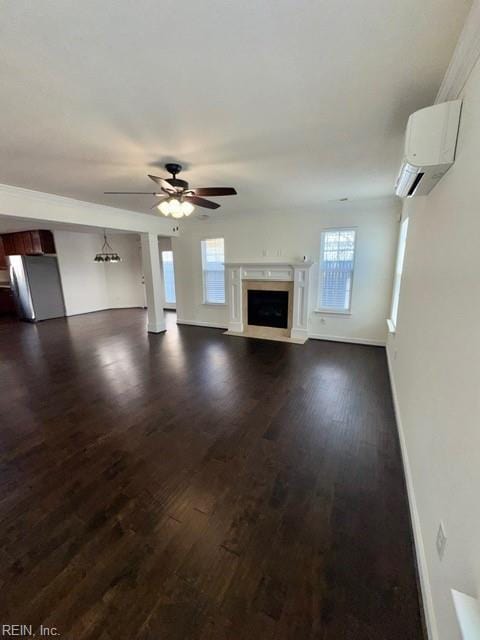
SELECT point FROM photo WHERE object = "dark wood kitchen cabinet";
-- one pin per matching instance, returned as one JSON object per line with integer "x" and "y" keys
{"x": 28, "y": 243}
{"x": 47, "y": 242}
{"x": 7, "y": 302}
{"x": 8, "y": 240}
{"x": 3, "y": 257}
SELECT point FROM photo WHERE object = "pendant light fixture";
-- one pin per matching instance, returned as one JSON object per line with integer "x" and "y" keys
{"x": 107, "y": 254}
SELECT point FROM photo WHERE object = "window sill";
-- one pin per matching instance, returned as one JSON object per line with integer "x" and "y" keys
{"x": 333, "y": 313}
{"x": 391, "y": 326}
{"x": 214, "y": 304}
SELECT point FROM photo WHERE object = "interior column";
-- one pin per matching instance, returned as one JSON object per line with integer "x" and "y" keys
{"x": 153, "y": 283}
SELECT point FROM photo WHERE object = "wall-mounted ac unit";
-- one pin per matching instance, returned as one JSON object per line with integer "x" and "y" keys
{"x": 430, "y": 143}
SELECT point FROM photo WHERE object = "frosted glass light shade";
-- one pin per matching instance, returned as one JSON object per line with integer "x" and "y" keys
{"x": 164, "y": 207}
{"x": 187, "y": 208}
{"x": 175, "y": 208}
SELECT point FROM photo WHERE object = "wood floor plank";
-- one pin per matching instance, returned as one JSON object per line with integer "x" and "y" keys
{"x": 193, "y": 485}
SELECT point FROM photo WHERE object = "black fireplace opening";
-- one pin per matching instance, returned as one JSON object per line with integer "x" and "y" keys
{"x": 268, "y": 308}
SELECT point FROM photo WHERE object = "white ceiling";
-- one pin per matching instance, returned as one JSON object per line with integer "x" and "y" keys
{"x": 293, "y": 102}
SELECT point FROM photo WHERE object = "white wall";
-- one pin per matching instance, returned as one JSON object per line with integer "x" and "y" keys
{"x": 83, "y": 281}
{"x": 435, "y": 365}
{"x": 165, "y": 244}
{"x": 88, "y": 286}
{"x": 124, "y": 279}
{"x": 284, "y": 238}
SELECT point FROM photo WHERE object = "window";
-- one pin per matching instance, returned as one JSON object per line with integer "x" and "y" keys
{"x": 213, "y": 271}
{"x": 337, "y": 256}
{"x": 402, "y": 243}
{"x": 168, "y": 277}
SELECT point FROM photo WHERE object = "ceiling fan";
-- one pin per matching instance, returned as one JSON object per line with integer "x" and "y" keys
{"x": 176, "y": 197}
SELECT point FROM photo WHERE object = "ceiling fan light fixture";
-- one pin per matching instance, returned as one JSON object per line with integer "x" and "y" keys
{"x": 187, "y": 208}
{"x": 164, "y": 207}
{"x": 178, "y": 199}
{"x": 175, "y": 208}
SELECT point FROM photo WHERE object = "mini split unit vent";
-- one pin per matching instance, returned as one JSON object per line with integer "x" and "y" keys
{"x": 430, "y": 143}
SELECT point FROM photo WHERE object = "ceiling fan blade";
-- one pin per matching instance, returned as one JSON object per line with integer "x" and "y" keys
{"x": 138, "y": 193}
{"x": 162, "y": 198}
{"x": 166, "y": 186}
{"x": 201, "y": 202}
{"x": 214, "y": 191}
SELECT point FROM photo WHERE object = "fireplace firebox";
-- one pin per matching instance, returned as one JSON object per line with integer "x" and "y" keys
{"x": 268, "y": 308}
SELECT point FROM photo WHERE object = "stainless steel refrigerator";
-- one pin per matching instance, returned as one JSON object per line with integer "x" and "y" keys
{"x": 36, "y": 287}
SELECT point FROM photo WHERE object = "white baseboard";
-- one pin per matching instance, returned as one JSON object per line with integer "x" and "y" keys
{"x": 236, "y": 327}
{"x": 83, "y": 313}
{"x": 299, "y": 334}
{"x": 374, "y": 343}
{"x": 156, "y": 327}
{"x": 313, "y": 336}
{"x": 130, "y": 306}
{"x": 417, "y": 532}
{"x": 194, "y": 323}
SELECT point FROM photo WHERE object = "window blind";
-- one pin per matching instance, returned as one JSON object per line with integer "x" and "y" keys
{"x": 336, "y": 270}
{"x": 168, "y": 277}
{"x": 213, "y": 258}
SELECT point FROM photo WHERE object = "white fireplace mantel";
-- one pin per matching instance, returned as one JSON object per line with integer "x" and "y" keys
{"x": 298, "y": 273}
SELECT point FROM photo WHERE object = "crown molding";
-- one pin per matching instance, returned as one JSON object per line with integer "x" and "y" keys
{"x": 466, "y": 54}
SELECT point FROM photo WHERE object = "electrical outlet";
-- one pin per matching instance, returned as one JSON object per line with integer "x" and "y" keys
{"x": 441, "y": 541}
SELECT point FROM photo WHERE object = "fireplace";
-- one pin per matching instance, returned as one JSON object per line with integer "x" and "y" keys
{"x": 268, "y": 300}
{"x": 268, "y": 308}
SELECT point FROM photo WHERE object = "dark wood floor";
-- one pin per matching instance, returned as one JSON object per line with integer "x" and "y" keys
{"x": 192, "y": 485}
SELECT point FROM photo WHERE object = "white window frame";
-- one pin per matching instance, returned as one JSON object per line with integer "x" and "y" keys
{"x": 330, "y": 310}
{"x": 397, "y": 280}
{"x": 168, "y": 303}
{"x": 203, "y": 262}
